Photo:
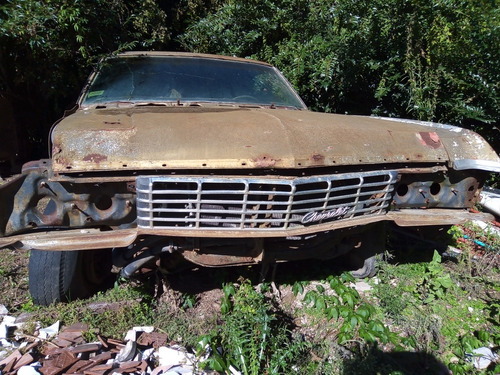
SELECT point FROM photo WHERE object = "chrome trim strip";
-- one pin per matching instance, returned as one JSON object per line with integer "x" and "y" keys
{"x": 484, "y": 165}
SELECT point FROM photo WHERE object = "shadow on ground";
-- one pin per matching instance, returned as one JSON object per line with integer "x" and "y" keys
{"x": 378, "y": 362}
{"x": 403, "y": 245}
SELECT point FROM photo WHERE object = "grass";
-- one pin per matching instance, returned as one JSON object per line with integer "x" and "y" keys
{"x": 426, "y": 313}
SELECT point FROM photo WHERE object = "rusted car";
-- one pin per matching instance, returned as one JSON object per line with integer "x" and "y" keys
{"x": 216, "y": 160}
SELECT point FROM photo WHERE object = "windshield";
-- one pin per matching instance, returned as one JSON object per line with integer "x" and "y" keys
{"x": 189, "y": 79}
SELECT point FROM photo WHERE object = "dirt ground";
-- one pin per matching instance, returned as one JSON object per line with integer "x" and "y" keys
{"x": 14, "y": 279}
{"x": 203, "y": 284}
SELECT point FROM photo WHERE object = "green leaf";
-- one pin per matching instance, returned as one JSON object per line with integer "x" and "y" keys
{"x": 436, "y": 258}
{"x": 364, "y": 311}
{"x": 332, "y": 313}
{"x": 354, "y": 321}
{"x": 297, "y": 288}
{"x": 320, "y": 288}
{"x": 376, "y": 326}
{"x": 483, "y": 336}
{"x": 367, "y": 335}
{"x": 348, "y": 299}
{"x": 320, "y": 303}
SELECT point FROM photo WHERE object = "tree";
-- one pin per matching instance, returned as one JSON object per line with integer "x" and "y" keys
{"x": 47, "y": 49}
{"x": 432, "y": 60}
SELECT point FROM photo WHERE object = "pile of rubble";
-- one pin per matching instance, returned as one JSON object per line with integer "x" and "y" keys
{"x": 54, "y": 352}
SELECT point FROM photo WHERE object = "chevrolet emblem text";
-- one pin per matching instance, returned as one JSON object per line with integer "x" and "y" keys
{"x": 313, "y": 217}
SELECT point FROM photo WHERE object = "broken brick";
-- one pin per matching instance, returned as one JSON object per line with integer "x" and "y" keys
{"x": 103, "y": 357}
{"x": 48, "y": 368}
{"x": 153, "y": 339}
{"x": 26, "y": 359}
{"x": 85, "y": 348}
{"x": 77, "y": 327}
{"x": 77, "y": 366}
{"x": 116, "y": 342}
{"x": 13, "y": 357}
{"x": 98, "y": 370}
{"x": 129, "y": 365}
{"x": 65, "y": 360}
{"x": 103, "y": 341}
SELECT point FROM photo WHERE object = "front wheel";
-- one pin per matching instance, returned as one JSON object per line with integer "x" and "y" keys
{"x": 369, "y": 268}
{"x": 363, "y": 258}
{"x": 58, "y": 276}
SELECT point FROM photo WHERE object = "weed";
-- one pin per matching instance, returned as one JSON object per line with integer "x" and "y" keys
{"x": 440, "y": 308}
{"x": 434, "y": 282}
{"x": 255, "y": 337}
{"x": 188, "y": 301}
{"x": 111, "y": 313}
{"x": 354, "y": 319}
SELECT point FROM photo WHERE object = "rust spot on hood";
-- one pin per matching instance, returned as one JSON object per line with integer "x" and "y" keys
{"x": 264, "y": 161}
{"x": 317, "y": 159}
{"x": 56, "y": 149}
{"x": 430, "y": 139}
{"x": 95, "y": 158}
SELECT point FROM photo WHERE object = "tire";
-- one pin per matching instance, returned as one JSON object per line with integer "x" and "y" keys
{"x": 369, "y": 269}
{"x": 59, "y": 276}
{"x": 363, "y": 259}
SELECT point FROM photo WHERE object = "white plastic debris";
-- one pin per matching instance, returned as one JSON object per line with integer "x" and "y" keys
{"x": 159, "y": 370}
{"x": 491, "y": 201}
{"x": 487, "y": 227}
{"x": 7, "y": 326}
{"x": 173, "y": 356}
{"x": 362, "y": 286}
{"x": 3, "y": 331}
{"x": 3, "y": 354}
{"x": 131, "y": 335}
{"x": 127, "y": 352}
{"x": 3, "y": 310}
{"x": 30, "y": 369}
{"x": 45, "y": 333}
{"x": 147, "y": 329}
{"x": 144, "y": 355}
{"x": 483, "y": 357}
{"x": 179, "y": 370}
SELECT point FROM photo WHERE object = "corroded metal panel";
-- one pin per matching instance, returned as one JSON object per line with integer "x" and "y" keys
{"x": 88, "y": 239}
{"x": 245, "y": 138}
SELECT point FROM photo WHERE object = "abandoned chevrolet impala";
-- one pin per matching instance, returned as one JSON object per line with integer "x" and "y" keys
{"x": 217, "y": 161}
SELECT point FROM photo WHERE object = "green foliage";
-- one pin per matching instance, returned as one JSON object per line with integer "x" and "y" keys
{"x": 111, "y": 314}
{"x": 47, "y": 49}
{"x": 342, "y": 304}
{"x": 434, "y": 282}
{"x": 253, "y": 338}
{"x": 439, "y": 309}
{"x": 389, "y": 58}
{"x": 427, "y": 60}
{"x": 188, "y": 301}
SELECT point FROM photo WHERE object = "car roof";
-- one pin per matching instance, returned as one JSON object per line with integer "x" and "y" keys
{"x": 190, "y": 54}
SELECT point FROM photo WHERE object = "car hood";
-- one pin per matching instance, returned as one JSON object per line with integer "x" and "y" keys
{"x": 158, "y": 137}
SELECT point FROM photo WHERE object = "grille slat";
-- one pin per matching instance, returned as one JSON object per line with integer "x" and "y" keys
{"x": 258, "y": 203}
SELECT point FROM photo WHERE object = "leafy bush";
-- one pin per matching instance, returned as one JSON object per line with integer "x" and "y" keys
{"x": 255, "y": 338}
{"x": 389, "y": 58}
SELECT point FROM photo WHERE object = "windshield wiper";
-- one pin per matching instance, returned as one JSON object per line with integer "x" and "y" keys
{"x": 116, "y": 103}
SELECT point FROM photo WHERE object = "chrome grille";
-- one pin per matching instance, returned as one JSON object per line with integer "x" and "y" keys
{"x": 267, "y": 204}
